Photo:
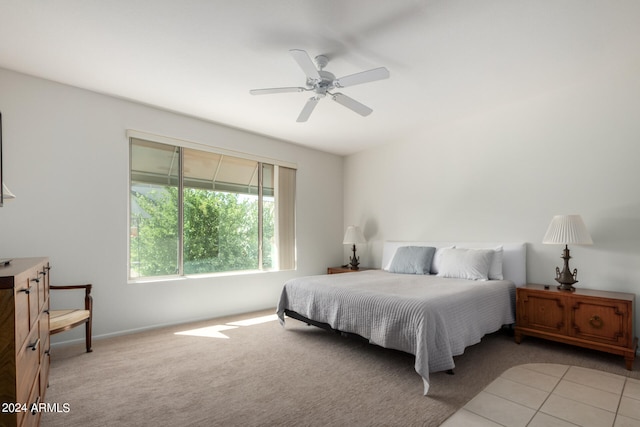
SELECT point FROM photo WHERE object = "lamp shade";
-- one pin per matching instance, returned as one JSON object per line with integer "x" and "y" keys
{"x": 353, "y": 235}
{"x": 567, "y": 229}
{"x": 6, "y": 193}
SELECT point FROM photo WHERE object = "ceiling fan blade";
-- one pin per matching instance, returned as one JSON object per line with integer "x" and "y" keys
{"x": 305, "y": 62}
{"x": 362, "y": 77}
{"x": 308, "y": 109}
{"x": 275, "y": 90}
{"x": 352, "y": 104}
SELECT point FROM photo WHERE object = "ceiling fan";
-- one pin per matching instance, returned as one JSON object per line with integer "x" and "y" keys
{"x": 323, "y": 82}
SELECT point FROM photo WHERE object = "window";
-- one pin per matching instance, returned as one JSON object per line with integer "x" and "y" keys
{"x": 194, "y": 211}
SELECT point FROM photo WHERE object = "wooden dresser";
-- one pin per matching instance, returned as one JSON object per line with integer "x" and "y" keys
{"x": 24, "y": 340}
{"x": 598, "y": 320}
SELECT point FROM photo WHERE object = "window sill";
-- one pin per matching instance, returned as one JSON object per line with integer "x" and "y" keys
{"x": 144, "y": 280}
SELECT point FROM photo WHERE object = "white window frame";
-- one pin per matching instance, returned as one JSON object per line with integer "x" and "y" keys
{"x": 217, "y": 150}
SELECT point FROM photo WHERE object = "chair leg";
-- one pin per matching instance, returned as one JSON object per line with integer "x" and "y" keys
{"x": 88, "y": 335}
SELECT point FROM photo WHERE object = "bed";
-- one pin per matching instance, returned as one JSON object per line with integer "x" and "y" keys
{"x": 429, "y": 299}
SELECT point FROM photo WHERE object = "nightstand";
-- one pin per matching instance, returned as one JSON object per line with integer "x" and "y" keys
{"x": 599, "y": 320}
{"x": 338, "y": 270}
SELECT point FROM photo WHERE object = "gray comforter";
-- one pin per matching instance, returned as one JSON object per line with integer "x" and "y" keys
{"x": 430, "y": 317}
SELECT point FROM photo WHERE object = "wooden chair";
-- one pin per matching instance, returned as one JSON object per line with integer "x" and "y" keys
{"x": 63, "y": 320}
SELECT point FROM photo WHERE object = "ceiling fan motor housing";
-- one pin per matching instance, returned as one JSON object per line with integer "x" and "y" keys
{"x": 322, "y": 86}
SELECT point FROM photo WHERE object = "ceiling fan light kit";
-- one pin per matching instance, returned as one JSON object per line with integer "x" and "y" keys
{"x": 323, "y": 82}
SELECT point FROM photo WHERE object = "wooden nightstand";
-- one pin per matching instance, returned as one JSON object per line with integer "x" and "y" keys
{"x": 599, "y": 320}
{"x": 337, "y": 270}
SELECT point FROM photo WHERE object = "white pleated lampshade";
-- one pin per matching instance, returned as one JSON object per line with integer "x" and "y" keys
{"x": 353, "y": 235}
{"x": 567, "y": 229}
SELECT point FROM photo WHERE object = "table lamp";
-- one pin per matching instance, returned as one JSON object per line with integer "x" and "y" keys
{"x": 352, "y": 236}
{"x": 565, "y": 230}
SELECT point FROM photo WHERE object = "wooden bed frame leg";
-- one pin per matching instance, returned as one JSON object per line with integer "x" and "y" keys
{"x": 509, "y": 330}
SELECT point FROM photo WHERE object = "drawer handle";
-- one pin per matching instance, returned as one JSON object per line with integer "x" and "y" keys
{"x": 35, "y": 345}
{"x": 37, "y": 280}
{"x": 596, "y": 321}
{"x": 26, "y": 290}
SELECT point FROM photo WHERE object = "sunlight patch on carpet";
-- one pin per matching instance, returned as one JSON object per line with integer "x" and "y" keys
{"x": 209, "y": 331}
{"x": 215, "y": 331}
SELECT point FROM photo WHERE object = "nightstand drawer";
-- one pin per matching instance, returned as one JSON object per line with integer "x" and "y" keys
{"x": 542, "y": 311}
{"x": 602, "y": 320}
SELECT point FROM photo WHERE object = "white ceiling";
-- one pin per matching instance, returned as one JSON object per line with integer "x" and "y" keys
{"x": 448, "y": 58}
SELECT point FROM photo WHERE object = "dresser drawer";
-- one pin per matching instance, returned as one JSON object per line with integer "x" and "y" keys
{"x": 27, "y": 305}
{"x": 28, "y": 365}
{"x": 44, "y": 331}
{"x": 28, "y": 418}
{"x": 45, "y": 349}
{"x": 35, "y": 279}
{"x": 43, "y": 286}
{"x": 21, "y": 319}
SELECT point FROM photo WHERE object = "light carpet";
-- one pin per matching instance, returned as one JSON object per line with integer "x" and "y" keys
{"x": 243, "y": 374}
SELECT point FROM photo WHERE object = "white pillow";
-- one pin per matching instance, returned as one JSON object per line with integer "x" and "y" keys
{"x": 435, "y": 263}
{"x": 388, "y": 266}
{"x": 462, "y": 263}
{"x": 495, "y": 270}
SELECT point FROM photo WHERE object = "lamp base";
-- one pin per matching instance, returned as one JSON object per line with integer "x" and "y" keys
{"x": 566, "y": 287}
{"x": 566, "y": 278}
{"x": 354, "y": 260}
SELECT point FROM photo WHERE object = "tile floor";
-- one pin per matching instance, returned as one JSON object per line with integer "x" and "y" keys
{"x": 549, "y": 395}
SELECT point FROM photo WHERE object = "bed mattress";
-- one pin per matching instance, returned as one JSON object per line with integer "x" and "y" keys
{"x": 431, "y": 317}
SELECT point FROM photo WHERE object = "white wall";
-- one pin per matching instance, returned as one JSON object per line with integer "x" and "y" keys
{"x": 66, "y": 159}
{"x": 501, "y": 175}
